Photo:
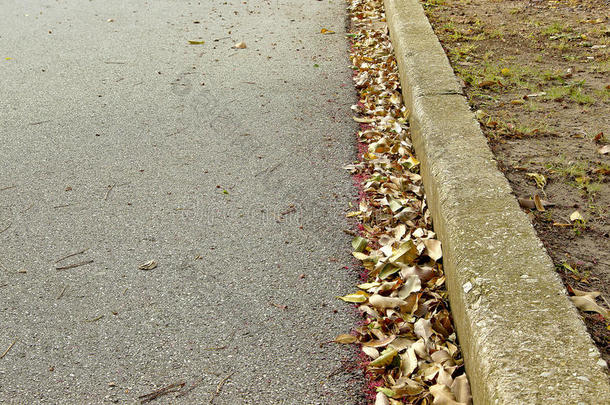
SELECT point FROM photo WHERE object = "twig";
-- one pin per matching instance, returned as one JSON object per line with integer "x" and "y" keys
{"x": 114, "y": 63}
{"x": 108, "y": 191}
{"x": 9, "y": 348}
{"x": 350, "y": 232}
{"x": 7, "y": 188}
{"x": 28, "y": 208}
{"x": 215, "y": 348}
{"x": 39, "y": 122}
{"x": 61, "y": 294}
{"x": 71, "y": 266}
{"x": 94, "y": 319}
{"x": 186, "y": 390}
{"x": 219, "y": 387}
{"x": 268, "y": 170}
{"x": 162, "y": 391}
{"x": 62, "y": 206}
{"x": 337, "y": 371}
{"x": 6, "y": 229}
{"x": 70, "y": 255}
{"x": 111, "y": 187}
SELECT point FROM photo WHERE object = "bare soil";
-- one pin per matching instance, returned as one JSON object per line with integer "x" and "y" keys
{"x": 537, "y": 75}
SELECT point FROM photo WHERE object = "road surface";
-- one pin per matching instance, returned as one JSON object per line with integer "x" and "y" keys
{"x": 122, "y": 143}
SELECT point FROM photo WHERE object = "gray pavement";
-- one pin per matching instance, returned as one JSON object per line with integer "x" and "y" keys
{"x": 223, "y": 165}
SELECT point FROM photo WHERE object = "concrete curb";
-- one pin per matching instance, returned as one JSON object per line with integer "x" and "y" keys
{"x": 522, "y": 339}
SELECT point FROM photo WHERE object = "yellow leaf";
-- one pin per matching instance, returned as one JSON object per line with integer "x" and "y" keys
{"x": 357, "y": 297}
{"x": 406, "y": 253}
{"x": 384, "y": 359}
{"x": 325, "y": 31}
{"x": 363, "y": 120}
{"x": 360, "y": 256}
{"x": 192, "y": 42}
{"x": 368, "y": 286}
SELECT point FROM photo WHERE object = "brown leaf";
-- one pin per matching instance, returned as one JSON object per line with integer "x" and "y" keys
{"x": 587, "y": 303}
{"x": 538, "y": 203}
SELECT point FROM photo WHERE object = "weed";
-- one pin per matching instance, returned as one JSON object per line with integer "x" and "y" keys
{"x": 462, "y": 52}
{"x": 496, "y": 34}
{"x": 554, "y": 29}
{"x": 572, "y": 91}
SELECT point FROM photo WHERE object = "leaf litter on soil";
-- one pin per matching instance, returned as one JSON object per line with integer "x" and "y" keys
{"x": 407, "y": 334}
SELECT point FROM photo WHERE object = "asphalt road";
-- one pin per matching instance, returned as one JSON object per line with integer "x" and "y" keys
{"x": 120, "y": 138}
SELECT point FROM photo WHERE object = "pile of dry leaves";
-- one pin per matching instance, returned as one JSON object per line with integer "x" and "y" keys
{"x": 407, "y": 334}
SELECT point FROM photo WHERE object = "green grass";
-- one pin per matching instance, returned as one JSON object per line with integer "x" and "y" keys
{"x": 569, "y": 92}
{"x": 554, "y": 29}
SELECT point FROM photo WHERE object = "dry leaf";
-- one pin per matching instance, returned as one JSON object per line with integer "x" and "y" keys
{"x": 149, "y": 265}
{"x": 442, "y": 395}
{"x": 240, "y": 45}
{"x": 433, "y": 248}
{"x": 604, "y": 150}
{"x": 325, "y": 31}
{"x": 538, "y": 203}
{"x": 346, "y": 339}
{"x": 408, "y": 362}
{"x": 576, "y": 216}
{"x": 461, "y": 389}
{"x": 384, "y": 359}
{"x": 357, "y": 297}
{"x": 381, "y": 399}
{"x": 381, "y": 302}
{"x": 587, "y": 303}
{"x": 380, "y": 342}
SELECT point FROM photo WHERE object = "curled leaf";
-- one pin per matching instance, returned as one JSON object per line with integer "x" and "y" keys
{"x": 433, "y": 249}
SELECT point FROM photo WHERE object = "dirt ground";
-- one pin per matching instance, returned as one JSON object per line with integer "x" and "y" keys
{"x": 536, "y": 73}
